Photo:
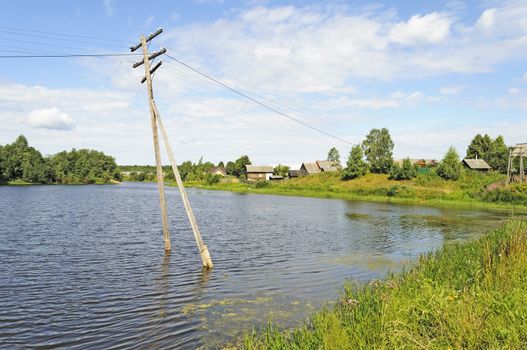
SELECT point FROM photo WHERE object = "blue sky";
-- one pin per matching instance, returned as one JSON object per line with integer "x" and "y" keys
{"x": 434, "y": 73}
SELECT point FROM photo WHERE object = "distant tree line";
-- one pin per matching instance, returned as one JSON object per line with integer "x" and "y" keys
{"x": 20, "y": 162}
{"x": 375, "y": 154}
{"x": 188, "y": 170}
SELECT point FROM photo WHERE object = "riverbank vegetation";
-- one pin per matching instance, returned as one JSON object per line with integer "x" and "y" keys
{"x": 468, "y": 295}
{"x": 471, "y": 189}
{"x": 22, "y": 164}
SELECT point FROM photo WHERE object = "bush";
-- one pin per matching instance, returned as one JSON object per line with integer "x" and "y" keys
{"x": 400, "y": 191}
{"x": 514, "y": 194}
{"x": 405, "y": 172}
{"x": 212, "y": 179}
{"x": 261, "y": 184}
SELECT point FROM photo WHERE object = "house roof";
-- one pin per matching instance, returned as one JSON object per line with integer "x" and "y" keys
{"x": 220, "y": 169}
{"x": 417, "y": 161}
{"x": 476, "y": 164}
{"x": 311, "y": 168}
{"x": 294, "y": 172}
{"x": 259, "y": 169}
{"x": 327, "y": 165}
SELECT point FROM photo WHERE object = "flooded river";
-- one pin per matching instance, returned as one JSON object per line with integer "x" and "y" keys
{"x": 83, "y": 267}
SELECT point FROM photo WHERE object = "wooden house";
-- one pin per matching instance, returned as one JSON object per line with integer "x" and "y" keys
{"x": 309, "y": 168}
{"x": 327, "y": 165}
{"x": 476, "y": 164}
{"x": 259, "y": 172}
{"x": 221, "y": 171}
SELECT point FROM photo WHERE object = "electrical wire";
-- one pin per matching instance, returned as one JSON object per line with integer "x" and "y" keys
{"x": 261, "y": 104}
{"x": 72, "y": 55}
{"x": 5, "y": 28}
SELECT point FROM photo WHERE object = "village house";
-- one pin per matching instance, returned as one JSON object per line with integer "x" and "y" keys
{"x": 318, "y": 166}
{"x": 421, "y": 163}
{"x": 221, "y": 171}
{"x": 328, "y": 165}
{"x": 476, "y": 164}
{"x": 259, "y": 172}
{"x": 309, "y": 168}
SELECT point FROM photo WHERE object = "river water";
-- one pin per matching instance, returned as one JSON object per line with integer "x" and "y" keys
{"x": 83, "y": 267}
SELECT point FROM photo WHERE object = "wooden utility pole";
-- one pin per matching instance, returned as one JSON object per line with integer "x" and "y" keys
{"x": 155, "y": 120}
{"x": 519, "y": 150}
{"x": 203, "y": 250}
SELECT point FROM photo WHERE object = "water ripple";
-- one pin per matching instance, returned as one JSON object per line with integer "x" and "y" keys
{"x": 83, "y": 267}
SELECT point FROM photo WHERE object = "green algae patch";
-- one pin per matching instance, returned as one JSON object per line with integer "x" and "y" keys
{"x": 368, "y": 261}
{"x": 190, "y": 309}
{"x": 358, "y": 216}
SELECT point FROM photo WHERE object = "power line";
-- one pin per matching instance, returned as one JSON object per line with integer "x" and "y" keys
{"x": 287, "y": 107}
{"x": 72, "y": 55}
{"x": 61, "y": 34}
{"x": 261, "y": 104}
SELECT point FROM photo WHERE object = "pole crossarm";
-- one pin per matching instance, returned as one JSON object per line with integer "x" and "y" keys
{"x": 151, "y": 57}
{"x": 152, "y": 71}
{"x": 150, "y": 37}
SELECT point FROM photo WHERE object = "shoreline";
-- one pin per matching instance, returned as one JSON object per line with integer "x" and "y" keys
{"x": 453, "y": 297}
{"x": 438, "y": 203}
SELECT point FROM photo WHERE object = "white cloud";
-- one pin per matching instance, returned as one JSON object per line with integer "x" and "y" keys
{"x": 514, "y": 91}
{"x": 451, "y": 90}
{"x": 394, "y": 100}
{"x": 524, "y": 77}
{"x": 109, "y": 7}
{"x": 432, "y": 28}
{"x": 317, "y": 49}
{"x": 487, "y": 20}
{"x": 49, "y": 118}
{"x": 419, "y": 142}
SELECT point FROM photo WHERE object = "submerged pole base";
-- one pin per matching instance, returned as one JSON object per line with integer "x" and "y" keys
{"x": 205, "y": 258}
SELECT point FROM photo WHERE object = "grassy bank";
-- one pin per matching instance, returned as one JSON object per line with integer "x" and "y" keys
{"x": 466, "y": 295}
{"x": 469, "y": 191}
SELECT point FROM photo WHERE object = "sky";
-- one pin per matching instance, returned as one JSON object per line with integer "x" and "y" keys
{"x": 434, "y": 73}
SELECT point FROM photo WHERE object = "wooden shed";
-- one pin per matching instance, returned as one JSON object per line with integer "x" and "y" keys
{"x": 259, "y": 172}
{"x": 309, "y": 168}
{"x": 328, "y": 165}
{"x": 476, "y": 164}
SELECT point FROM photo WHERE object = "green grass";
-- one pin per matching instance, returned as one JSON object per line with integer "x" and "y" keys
{"x": 430, "y": 189}
{"x": 468, "y": 295}
{"x": 18, "y": 183}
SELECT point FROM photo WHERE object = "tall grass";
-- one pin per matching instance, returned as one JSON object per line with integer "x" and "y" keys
{"x": 469, "y": 190}
{"x": 469, "y": 295}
